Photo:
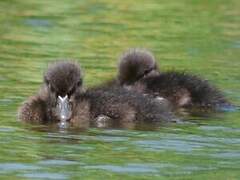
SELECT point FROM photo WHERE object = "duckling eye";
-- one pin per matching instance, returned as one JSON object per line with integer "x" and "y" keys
{"x": 47, "y": 81}
{"x": 147, "y": 71}
{"x": 79, "y": 83}
{"x": 71, "y": 91}
{"x": 51, "y": 88}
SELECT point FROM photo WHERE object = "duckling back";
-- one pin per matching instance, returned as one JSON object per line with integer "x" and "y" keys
{"x": 125, "y": 106}
{"x": 184, "y": 89}
{"x": 180, "y": 88}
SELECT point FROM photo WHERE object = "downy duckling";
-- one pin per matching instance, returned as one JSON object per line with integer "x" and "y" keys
{"x": 61, "y": 82}
{"x": 139, "y": 71}
{"x": 63, "y": 99}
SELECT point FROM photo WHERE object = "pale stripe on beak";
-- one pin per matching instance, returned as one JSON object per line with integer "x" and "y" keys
{"x": 63, "y": 108}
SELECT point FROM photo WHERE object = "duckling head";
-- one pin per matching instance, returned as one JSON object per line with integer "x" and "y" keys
{"x": 62, "y": 80}
{"x": 136, "y": 64}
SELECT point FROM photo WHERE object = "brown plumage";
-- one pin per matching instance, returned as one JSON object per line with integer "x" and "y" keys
{"x": 138, "y": 71}
{"x": 64, "y": 80}
{"x": 61, "y": 79}
{"x": 135, "y": 64}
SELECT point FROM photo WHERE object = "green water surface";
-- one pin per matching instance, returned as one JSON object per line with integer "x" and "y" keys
{"x": 200, "y": 36}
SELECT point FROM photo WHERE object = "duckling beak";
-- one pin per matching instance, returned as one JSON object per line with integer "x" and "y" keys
{"x": 63, "y": 108}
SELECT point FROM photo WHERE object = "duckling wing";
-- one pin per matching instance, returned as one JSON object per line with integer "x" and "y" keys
{"x": 32, "y": 110}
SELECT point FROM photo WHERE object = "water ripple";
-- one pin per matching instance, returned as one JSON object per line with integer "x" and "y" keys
{"x": 56, "y": 162}
{"x": 45, "y": 175}
{"x": 129, "y": 168}
{"x": 6, "y": 167}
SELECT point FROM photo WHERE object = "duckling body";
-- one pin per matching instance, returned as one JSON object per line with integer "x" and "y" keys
{"x": 123, "y": 107}
{"x": 180, "y": 88}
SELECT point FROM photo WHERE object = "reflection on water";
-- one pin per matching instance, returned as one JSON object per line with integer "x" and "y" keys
{"x": 180, "y": 150}
{"x": 38, "y": 22}
{"x": 45, "y": 175}
{"x": 129, "y": 168}
{"x": 56, "y": 162}
{"x": 8, "y": 167}
{"x": 198, "y": 36}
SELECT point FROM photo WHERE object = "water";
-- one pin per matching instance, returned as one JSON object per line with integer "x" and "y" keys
{"x": 199, "y": 36}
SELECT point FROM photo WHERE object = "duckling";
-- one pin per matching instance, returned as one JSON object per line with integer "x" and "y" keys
{"x": 136, "y": 64}
{"x": 61, "y": 82}
{"x": 139, "y": 71}
{"x": 62, "y": 98}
